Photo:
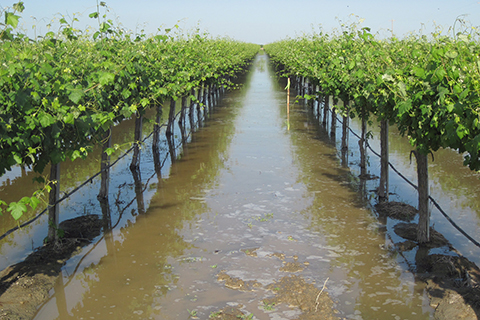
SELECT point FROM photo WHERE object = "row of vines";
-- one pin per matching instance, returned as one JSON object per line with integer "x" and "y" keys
{"x": 61, "y": 93}
{"x": 427, "y": 86}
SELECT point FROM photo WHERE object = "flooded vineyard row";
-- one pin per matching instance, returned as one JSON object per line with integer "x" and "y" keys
{"x": 255, "y": 217}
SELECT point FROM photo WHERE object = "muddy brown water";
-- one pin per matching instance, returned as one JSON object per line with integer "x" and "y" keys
{"x": 254, "y": 198}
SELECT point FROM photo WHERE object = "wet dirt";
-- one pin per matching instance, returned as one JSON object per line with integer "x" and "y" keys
{"x": 396, "y": 210}
{"x": 293, "y": 292}
{"x": 452, "y": 281}
{"x": 26, "y": 285}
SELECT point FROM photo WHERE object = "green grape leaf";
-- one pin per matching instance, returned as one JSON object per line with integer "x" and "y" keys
{"x": 404, "y": 107}
{"x": 11, "y": 19}
{"x": 34, "y": 202}
{"x": 17, "y": 209}
{"x": 106, "y": 78}
{"x": 76, "y": 95}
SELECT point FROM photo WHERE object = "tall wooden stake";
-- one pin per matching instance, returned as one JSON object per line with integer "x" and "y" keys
{"x": 137, "y": 141}
{"x": 53, "y": 208}
{"x": 105, "y": 165}
{"x": 423, "y": 231}
{"x": 383, "y": 188}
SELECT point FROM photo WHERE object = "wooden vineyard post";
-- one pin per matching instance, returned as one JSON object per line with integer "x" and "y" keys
{"x": 325, "y": 110}
{"x": 423, "y": 231}
{"x": 344, "y": 150}
{"x": 304, "y": 81}
{"x": 137, "y": 141}
{"x": 310, "y": 92}
{"x": 156, "y": 142}
{"x": 182, "y": 122}
{"x": 191, "y": 111}
{"x": 199, "y": 106}
{"x": 210, "y": 97}
{"x": 53, "y": 207}
{"x": 213, "y": 92}
{"x": 362, "y": 145}
{"x": 288, "y": 103}
{"x": 333, "y": 124}
{"x": 171, "y": 116}
{"x": 345, "y": 127}
{"x": 363, "y": 154}
{"x": 204, "y": 100}
{"x": 105, "y": 165}
{"x": 319, "y": 100}
{"x": 383, "y": 188}
{"x": 135, "y": 165}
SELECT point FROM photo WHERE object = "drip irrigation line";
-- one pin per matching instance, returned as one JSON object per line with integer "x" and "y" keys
{"x": 67, "y": 195}
{"x": 128, "y": 205}
{"x": 449, "y": 219}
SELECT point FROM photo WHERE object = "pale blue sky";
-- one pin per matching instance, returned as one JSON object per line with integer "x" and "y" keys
{"x": 263, "y": 21}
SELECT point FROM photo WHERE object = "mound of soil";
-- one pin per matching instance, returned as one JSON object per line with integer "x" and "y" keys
{"x": 229, "y": 313}
{"x": 396, "y": 210}
{"x": 24, "y": 286}
{"x": 409, "y": 231}
{"x": 295, "y": 291}
{"x": 453, "y": 285}
{"x": 291, "y": 290}
{"x": 453, "y": 282}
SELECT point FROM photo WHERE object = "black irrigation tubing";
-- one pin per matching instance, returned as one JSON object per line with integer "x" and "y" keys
{"x": 475, "y": 242}
{"x": 103, "y": 237}
{"x": 67, "y": 195}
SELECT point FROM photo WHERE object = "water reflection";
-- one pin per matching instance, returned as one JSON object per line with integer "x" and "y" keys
{"x": 365, "y": 275}
{"x": 132, "y": 267}
{"x": 137, "y": 178}
{"x": 452, "y": 185}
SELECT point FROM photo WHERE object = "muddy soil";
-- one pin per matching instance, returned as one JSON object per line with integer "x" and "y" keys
{"x": 26, "y": 285}
{"x": 291, "y": 291}
{"x": 453, "y": 282}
